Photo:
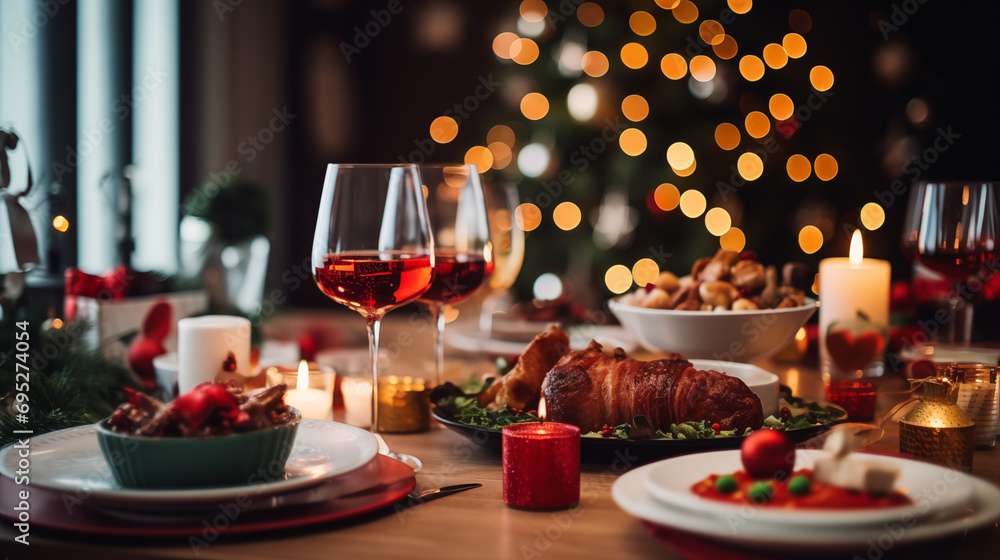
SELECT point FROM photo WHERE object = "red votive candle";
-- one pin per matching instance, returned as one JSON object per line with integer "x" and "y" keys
{"x": 541, "y": 465}
{"x": 856, "y": 396}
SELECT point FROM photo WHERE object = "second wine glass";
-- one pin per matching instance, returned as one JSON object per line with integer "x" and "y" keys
{"x": 463, "y": 251}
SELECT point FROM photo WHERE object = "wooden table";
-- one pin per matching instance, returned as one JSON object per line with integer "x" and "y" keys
{"x": 477, "y": 525}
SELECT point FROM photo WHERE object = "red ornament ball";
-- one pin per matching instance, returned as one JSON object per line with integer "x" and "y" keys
{"x": 140, "y": 358}
{"x": 768, "y": 454}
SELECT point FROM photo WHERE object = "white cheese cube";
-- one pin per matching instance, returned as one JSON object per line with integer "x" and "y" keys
{"x": 875, "y": 477}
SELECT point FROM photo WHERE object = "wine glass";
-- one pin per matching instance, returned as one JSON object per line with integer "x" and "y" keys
{"x": 373, "y": 250}
{"x": 463, "y": 253}
{"x": 508, "y": 249}
{"x": 952, "y": 228}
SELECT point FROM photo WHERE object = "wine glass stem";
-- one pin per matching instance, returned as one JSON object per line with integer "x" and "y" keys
{"x": 960, "y": 316}
{"x": 374, "y": 324}
{"x": 438, "y": 315}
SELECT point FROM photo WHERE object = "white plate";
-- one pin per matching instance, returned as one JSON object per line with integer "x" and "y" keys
{"x": 983, "y": 508}
{"x": 670, "y": 481}
{"x": 71, "y": 461}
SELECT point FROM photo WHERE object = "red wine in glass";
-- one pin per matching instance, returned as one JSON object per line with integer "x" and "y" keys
{"x": 457, "y": 276}
{"x": 956, "y": 265}
{"x": 374, "y": 280}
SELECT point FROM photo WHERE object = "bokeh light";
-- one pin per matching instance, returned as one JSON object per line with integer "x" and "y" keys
{"x": 566, "y": 216}
{"x": 794, "y": 45}
{"x": 444, "y": 130}
{"x": 685, "y": 11}
{"x": 632, "y": 141}
{"x": 757, "y": 124}
{"x": 702, "y": 68}
{"x": 727, "y": 136}
{"x": 547, "y": 287}
{"x": 590, "y": 14}
{"x": 582, "y": 102}
{"x": 775, "y": 56}
{"x": 781, "y": 106}
{"x": 798, "y": 168}
{"x": 810, "y": 239}
{"x": 502, "y": 156}
{"x": 668, "y": 4}
{"x": 799, "y": 21}
{"x": 667, "y": 197}
{"x": 825, "y": 167}
{"x": 680, "y": 155}
{"x": 733, "y": 240}
{"x": 750, "y": 166}
{"x": 711, "y": 32}
{"x": 673, "y": 66}
{"x": 501, "y": 133}
{"x": 527, "y": 216}
{"x": 618, "y": 279}
{"x": 693, "y": 203}
{"x": 686, "y": 172}
{"x": 524, "y": 51}
{"x": 503, "y": 43}
{"x": 718, "y": 221}
{"x": 821, "y": 78}
{"x": 727, "y": 48}
{"x": 740, "y": 6}
{"x": 534, "y": 106}
{"x": 645, "y": 271}
{"x": 872, "y": 216}
{"x": 642, "y": 23}
{"x": 595, "y": 64}
{"x": 751, "y": 68}
{"x": 634, "y": 55}
{"x": 60, "y": 223}
{"x": 480, "y": 156}
{"x": 533, "y": 10}
{"x": 533, "y": 159}
{"x": 635, "y": 108}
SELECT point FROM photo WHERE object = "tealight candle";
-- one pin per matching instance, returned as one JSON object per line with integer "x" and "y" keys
{"x": 311, "y": 392}
{"x": 853, "y": 326}
{"x": 541, "y": 465}
{"x": 204, "y": 347}
{"x": 357, "y": 394}
{"x": 404, "y": 404}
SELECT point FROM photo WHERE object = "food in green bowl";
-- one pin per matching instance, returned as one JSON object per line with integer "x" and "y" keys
{"x": 213, "y": 435}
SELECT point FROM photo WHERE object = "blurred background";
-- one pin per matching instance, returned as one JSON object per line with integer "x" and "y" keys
{"x": 640, "y": 135}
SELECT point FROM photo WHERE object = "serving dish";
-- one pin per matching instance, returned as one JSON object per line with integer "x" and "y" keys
{"x": 736, "y": 336}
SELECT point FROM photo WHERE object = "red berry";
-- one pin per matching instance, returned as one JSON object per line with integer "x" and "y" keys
{"x": 768, "y": 454}
{"x": 717, "y": 428}
{"x": 230, "y": 364}
{"x": 748, "y": 256}
{"x": 785, "y": 414}
{"x": 649, "y": 287}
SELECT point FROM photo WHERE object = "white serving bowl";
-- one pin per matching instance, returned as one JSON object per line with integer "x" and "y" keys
{"x": 763, "y": 383}
{"x": 735, "y": 336}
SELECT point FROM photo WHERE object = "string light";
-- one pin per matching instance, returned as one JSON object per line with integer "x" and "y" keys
{"x": 693, "y": 203}
{"x": 733, "y": 240}
{"x": 666, "y": 197}
{"x": 443, "y": 130}
{"x": 645, "y": 271}
{"x": 618, "y": 279}
{"x": 634, "y": 55}
{"x": 635, "y": 108}
{"x": 825, "y": 167}
{"x": 632, "y": 141}
{"x": 718, "y": 221}
{"x": 727, "y": 136}
{"x": 673, "y": 66}
{"x": 680, "y": 155}
{"x": 750, "y": 166}
{"x": 798, "y": 168}
{"x": 810, "y": 239}
{"x": 566, "y": 216}
{"x": 527, "y": 216}
{"x": 821, "y": 78}
{"x": 872, "y": 216}
{"x": 60, "y": 223}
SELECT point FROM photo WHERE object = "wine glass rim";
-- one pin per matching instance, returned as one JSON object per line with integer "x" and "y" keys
{"x": 372, "y": 165}
{"x": 956, "y": 182}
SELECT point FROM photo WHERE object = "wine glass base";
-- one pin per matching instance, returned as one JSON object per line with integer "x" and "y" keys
{"x": 408, "y": 460}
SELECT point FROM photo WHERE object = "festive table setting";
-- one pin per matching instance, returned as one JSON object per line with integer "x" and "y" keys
{"x": 729, "y": 399}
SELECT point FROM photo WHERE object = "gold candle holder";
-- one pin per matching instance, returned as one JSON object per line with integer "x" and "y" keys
{"x": 937, "y": 430}
{"x": 404, "y": 404}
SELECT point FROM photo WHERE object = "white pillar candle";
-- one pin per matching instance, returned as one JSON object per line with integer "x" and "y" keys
{"x": 849, "y": 286}
{"x": 357, "y": 392}
{"x": 204, "y": 343}
{"x": 312, "y": 402}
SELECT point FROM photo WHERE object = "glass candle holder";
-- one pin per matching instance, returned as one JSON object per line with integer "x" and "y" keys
{"x": 937, "y": 430}
{"x": 541, "y": 465}
{"x": 310, "y": 389}
{"x": 404, "y": 404}
{"x": 979, "y": 398}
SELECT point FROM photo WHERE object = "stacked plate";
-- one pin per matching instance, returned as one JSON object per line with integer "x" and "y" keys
{"x": 944, "y": 502}
{"x": 334, "y": 471}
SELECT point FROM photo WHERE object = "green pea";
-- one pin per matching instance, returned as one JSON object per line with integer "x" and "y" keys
{"x": 761, "y": 492}
{"x": 726, "y": 484}
{"x": 799, "y": 485}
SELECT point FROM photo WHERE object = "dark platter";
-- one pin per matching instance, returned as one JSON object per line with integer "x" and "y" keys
{"x": 627, "y": 452}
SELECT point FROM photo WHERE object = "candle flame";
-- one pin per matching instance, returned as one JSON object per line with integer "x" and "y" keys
{"x": 857, "y": 249}
{"x": 303, "y": 381}
{"x": 541, "y": 409}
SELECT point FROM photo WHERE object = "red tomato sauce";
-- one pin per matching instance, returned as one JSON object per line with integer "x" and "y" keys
{"x": 821, "y": 495}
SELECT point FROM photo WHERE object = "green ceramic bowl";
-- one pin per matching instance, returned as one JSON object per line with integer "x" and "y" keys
{"x": 179, "y": 462}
